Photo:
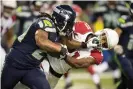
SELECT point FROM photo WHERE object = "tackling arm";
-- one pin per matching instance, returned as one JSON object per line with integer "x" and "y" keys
{"x": 73, "y": 44}
{"x": 44, "y": 43}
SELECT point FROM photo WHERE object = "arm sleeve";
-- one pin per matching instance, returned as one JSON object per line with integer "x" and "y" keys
{"x": 122, "y": 23}
{"x": 97, "y": 55}
{"x": 45, "y": 24}
{"x": 48, "y": 26}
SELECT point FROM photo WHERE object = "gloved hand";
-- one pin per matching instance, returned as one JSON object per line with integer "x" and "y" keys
{"x": 64, "y": 52}
{"x": 93, "y": 42}
{"x": 118, "y": 49}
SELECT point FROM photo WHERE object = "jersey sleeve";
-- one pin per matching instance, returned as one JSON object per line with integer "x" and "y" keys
{"x": 122, "y": 23}
{"x": 45, "y": 24}
{"x": 82, "y": 28}
{"x": 80, "y": 31}
{"x": 97, "y": 55}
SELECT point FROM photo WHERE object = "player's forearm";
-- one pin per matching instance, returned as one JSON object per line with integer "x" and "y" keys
{"x": 72, "y": 44}
{"x": 42, "y": 41}
{"x": 80, "y": 63}
{"x": 50, "y": 46}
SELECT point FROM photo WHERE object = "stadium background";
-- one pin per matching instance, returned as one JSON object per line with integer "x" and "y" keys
{"x": 85, "y": 11}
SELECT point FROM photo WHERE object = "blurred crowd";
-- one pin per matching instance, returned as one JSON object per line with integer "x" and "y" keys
{"x": 17, "y": 16}
{"x": 20, "y": 14}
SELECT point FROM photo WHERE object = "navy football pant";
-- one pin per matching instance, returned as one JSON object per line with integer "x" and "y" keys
{"x": 127, "y": 72}
{"x": 123, "y": 83}
{"x": 34, "y": 78}
{"x": 126, "y": 66}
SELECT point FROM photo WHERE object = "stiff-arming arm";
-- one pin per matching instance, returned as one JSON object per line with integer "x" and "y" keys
{"x": 73, "y": 44}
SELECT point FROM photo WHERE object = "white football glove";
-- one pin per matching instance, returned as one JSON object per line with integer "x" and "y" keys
{"x": 93, "y": 42}
{"x": 118, "y": 49}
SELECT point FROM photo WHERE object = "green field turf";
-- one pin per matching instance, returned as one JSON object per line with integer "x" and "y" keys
{"x": 82, "y": 80}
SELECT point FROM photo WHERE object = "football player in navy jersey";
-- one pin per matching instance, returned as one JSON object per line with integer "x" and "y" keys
{"x": 22, "y": 62}
{"x": 30, "y": 49}
{"x": 125, "y": 49}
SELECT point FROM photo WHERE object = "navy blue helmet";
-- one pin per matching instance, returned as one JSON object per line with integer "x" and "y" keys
{"x": 64, "y": 17}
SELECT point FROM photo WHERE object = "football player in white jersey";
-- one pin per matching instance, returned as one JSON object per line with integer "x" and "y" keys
{"x": 7, "y": 21}
{"x": 79, "y": 58}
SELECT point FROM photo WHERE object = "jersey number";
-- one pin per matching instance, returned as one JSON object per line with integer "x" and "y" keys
{"x": 39, "y": 54}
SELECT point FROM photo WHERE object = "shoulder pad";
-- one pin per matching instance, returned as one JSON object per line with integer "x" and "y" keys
{"x": 81, "y": 27}
{"x": 125, "y": 21}
{"x": 46, "y": 24}
{"x": 122, "y": 19}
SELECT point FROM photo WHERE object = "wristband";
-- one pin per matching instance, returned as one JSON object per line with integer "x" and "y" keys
{"x": 63, "y": 50}
{"x": 83, "y": 45}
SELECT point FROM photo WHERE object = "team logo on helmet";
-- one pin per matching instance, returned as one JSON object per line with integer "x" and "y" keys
{"x": 64, "y": 17}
